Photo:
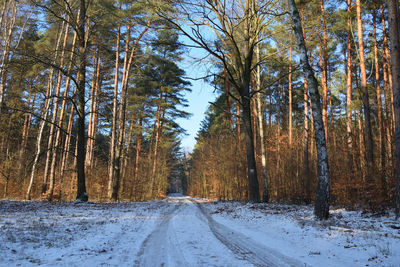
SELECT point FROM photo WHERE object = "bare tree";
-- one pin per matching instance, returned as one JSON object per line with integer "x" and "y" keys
{"x": 236, "y": 29}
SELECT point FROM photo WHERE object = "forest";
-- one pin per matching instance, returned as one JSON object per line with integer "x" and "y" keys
{"x": 308, "y": 105}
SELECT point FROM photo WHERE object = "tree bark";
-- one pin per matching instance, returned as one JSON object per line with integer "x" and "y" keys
{"x": 64, "y": 151}
{"x": 381, "y": 131}
{"x": 387, "y": 91}
{"x": 116, "y": 164}
{"x": 53, "y": 152}
{"x": 260, "y": 117}
{"x": 324, "y": 73}
{"x": 349, "y": 139}
{"x": 306, "y": 162}
{"x": 8, "y": 32}
{"x": 93, "y": 110}
{"x": 137, "y": 158}
{"x": 365, "y": 95}
{"x": 81, "y": 194}
{"x": 321, "y": 209}
{"x": 113, "y": 139}
{"x": 394, "y": 33}
{"x": 290, "y": 93}
{"x": 42, "y": 123}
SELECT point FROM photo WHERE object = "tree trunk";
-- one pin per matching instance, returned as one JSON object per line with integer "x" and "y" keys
{"x": 8, "y": 32}
{"x": 381, "y": 131}
{"x": 113, "y": 140}
{"x": 254, "y": 195}
{"x": 81, "y": 194}
{"x": 321, "y": 209}
{"x": 278, "y": 140}
{"x": 323, "y": 56}
{"x": 386, "y": 68}
{"x": 260, "y": 117}
{"x": 27, "y": 125}
{"x": 66, "y": 150}
{"x": 306, "y": 162}
{"x": 45, "y": 114}
{"x": 365, "y": 96}
{"x": 58, "y": 142}
{"x": 115, "y": 183}
{"x": 394, "y": 33}
{"x": 42, "y": 123}
{"x": 50, "y": 140}
{"x": 93, "y": 111}
{"x": 349, "y": 139}
{"x": 290, "y": 93}
{"x": 53, "y": 151}
{"x": 137, "y": 158}
{"x": 114, "y": 137}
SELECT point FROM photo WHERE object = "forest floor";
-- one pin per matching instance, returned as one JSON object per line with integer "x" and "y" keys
{"x": 183, "y": 231}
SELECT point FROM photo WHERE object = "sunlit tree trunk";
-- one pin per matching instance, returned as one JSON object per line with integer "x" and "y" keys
{"x": 45, "y": 114}
{"x": 365, "y": 95}
{"x": 114, "y": 183}
{"x": 113, "y": 139}
{"x": 94, "y": 103}
{"x": 321, "y": 209}
{"x": 58, "y": 141}
{"x": 137, "y": 157}
{"x": 260, "y": 117}
{"x": 323, "y": 57}
{"x": 7, "y": 30}
{"x": 349, "y": 139}
{"x": 381, "y": 131}
{"x": 52, "y": 152}
{"x": 157, "y": 127}
{"x": 278, "y": 141}
{"x": 66, "y": 150}
{"x": 387, "y": 87}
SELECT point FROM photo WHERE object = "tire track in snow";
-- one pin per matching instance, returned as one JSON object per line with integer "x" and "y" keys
{"x": 250, "y": 250}
{"x": 158, "y": 249}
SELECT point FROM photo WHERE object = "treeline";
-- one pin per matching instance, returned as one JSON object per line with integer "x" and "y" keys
{"x": 348, "y": 50}
{"x": 90, "y": 91}
{"x": 309, "y": 93}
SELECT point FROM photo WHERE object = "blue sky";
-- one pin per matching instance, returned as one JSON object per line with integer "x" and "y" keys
{"x": 198, "y": 100}
{"x": 196, "y": 65}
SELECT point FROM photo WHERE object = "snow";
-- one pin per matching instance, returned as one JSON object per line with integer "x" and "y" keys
{"x": 184, "y": 231}
{"x": 348, "y": 238}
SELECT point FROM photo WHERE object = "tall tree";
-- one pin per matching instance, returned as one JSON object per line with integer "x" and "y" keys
{"x": 365, "y": 95}
{"x": 81, "y": 194}
{"x": 237, "y": 30}
{"x": 321, "y": 209}
{"x": 394, "y": 33}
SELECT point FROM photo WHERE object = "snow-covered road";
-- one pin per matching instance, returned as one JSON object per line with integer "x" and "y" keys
{"x": 184, "y": 238}
{"x": 183, "y": 231}
{"x": 190, "y": 237}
